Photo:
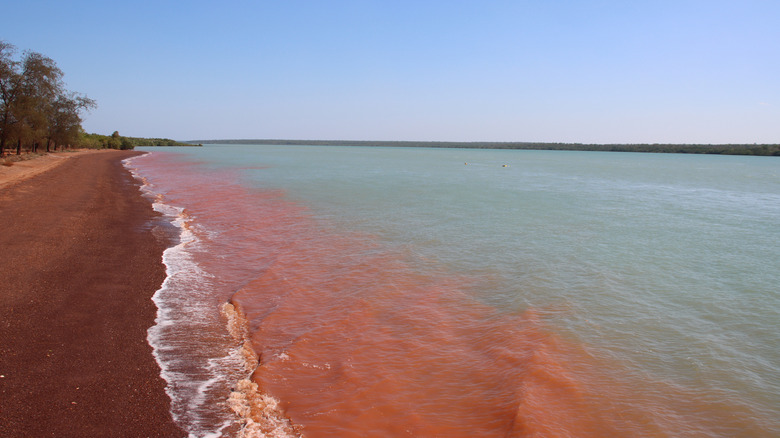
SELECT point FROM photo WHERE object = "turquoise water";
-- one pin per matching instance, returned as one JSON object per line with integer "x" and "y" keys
{"x": 663, "y": 269}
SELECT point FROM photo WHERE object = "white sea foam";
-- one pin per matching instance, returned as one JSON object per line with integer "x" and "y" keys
{"x": 192, "y": 377}
{"x": 203, "y": 366}
{"x": 260, "y": 413}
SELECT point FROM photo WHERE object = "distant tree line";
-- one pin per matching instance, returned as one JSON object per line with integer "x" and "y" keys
{"x": 116, "y": 141}
{"x": 724, "y": 149}
{"x": 140, "y": 141}
{"x": 35, "y": 107}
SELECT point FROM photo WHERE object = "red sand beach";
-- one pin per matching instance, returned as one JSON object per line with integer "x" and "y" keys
{"x": 78, "y": 266}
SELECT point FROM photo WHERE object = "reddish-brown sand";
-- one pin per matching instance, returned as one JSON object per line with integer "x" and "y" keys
{"x": 79, "y": 263}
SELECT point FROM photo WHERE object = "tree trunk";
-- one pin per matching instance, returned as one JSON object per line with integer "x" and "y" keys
{"x": 18, "y": 147}
{"x": 2, "y": 146}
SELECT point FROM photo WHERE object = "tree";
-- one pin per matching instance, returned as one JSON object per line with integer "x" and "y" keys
{"x": 114, "y": 142}
{"x": 10, "y": 86}
{"x": 126, "y": 144}
{"x": 42, "y": 86}
{"x": 64, "y": 120}
{"x": 34, "y": 104}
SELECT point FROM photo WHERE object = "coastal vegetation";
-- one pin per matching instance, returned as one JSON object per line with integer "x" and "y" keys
{"x": 35, "y": 107}
{"x": 38, "y": 113}
{"x": 723, "y": 149}
{"x": 116, "y": 141}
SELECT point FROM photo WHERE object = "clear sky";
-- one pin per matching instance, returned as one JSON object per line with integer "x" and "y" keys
{"x": 600, "y": 71}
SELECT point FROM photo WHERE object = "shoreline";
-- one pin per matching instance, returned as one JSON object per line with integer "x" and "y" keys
{"x": 81, "y": 260}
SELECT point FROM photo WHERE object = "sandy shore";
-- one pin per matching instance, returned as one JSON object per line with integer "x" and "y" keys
{"x": 79, "y": 262}
{"x": 27, "y": 168}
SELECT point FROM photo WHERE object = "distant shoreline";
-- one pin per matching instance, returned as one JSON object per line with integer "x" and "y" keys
{"x": 716, "y": 149}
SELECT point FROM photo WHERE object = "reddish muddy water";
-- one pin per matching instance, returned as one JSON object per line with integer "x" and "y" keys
{"x": 353, "y": 337}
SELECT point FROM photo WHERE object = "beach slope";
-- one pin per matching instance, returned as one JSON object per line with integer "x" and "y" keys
{"x": 79, "y": 262}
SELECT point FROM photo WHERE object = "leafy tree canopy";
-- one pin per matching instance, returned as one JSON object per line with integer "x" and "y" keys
{"x": 35, "y": 107}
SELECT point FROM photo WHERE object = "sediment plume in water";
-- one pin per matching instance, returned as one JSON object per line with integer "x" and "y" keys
{"x": 350, "y": 338}
{"x": 258, "y": 412}
{"x": 330, "y": 332}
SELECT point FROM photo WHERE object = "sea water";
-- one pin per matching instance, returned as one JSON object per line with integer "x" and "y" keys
{"x": 375, "y": 291}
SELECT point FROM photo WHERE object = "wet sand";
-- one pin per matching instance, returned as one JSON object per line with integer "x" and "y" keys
{"x": 79, "y": 262}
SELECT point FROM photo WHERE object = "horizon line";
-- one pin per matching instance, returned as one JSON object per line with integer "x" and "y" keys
{"x": 473, "y": 142}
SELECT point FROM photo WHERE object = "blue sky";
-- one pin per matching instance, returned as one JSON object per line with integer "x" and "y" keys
{"x": 555, "y": 71}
